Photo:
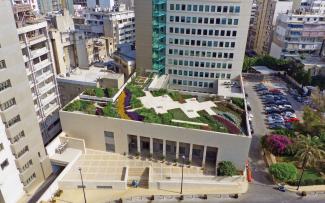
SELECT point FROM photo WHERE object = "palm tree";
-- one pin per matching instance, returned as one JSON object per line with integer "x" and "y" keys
{"x": 309, "y": 151}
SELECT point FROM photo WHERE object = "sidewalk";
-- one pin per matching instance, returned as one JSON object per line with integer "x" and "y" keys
{"x": 312, "y": 188}
{"x": 102, "y": 195}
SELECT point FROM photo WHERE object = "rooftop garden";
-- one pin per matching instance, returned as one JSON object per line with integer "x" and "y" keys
{"x": 225, "y": 117}
{"x": 101, "y": 92}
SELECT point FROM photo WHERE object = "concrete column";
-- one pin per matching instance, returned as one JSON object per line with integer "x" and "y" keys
{"x": 151, "y": 146}
{"x": 139, "y": 144}
{"x": 191, "y": 149}
{"x": 164, "y": 148}
{"x": 204, "y": 155}
{"x": 177, "y": 150}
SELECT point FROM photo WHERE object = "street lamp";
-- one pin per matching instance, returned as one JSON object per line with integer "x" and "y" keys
{"x": 183, "y": 159}
{"x": 82, "y": 185}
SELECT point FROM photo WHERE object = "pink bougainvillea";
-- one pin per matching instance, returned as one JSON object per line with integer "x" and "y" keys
{"x": 278, "y": 144}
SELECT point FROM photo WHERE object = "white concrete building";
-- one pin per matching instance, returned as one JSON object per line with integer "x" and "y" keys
{"x": 33, "y": 3}
{"x": 101, "y": 3}
{"x": 9, "y": 174}
{"x": 313, "y": 6}
{"x": 298, "y": 35}
{"x": 40, "y": 69}
{"x": 21, "y": 146}
{"x": 120, "y": 27}
{"x": 196, "y": 43}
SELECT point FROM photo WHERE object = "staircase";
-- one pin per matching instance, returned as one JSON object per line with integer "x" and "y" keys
{"x": 139, "y": 174}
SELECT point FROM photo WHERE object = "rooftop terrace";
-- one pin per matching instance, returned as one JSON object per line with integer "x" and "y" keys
{"x": 167, "y": 107}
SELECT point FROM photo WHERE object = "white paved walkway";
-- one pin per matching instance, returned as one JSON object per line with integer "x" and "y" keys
{"x": 164, "y": 103}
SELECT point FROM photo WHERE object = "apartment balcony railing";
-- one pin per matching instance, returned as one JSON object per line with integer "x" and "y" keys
{"x": 39, "y": 52}
{"x": 42, "y": 64}
{"x": 17, "y": 8}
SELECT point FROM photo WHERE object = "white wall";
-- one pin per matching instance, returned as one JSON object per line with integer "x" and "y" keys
{"x": 281, "y": 7}
{"x": 275, "y": 51}
{"x": 102, "y": 3}
{"x": 11, "y": 188}
{"x": 91, "y": 128}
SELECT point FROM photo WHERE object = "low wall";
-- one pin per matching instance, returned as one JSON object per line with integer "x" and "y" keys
{"x": 91, "y": 128}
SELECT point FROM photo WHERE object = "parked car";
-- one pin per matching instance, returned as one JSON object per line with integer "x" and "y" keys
{"x": 276, "y": 126}
{"x": 291, "y": 120}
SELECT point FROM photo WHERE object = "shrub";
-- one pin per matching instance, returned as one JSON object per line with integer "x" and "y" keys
{"x": 277, "y": 144}
{"x": 136, "y": 91}
{"x": 135, "y": 103}
{"x": 226, "y": 168}
{"x": 284, "y": 171}
{"x": 231, "y": 127}
{"x": 110, "y": 111}
{"x": 99, "y": 92}
{"x": 284, "y": 131}
{"x": 238, "y": 102}
{"x": 158, "y": 93}
{"x": 81, "y": 105}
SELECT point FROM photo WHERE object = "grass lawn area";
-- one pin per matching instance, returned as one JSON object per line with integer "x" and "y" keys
{"x": 178, "y": 114}
{"x": 310, "y": 174}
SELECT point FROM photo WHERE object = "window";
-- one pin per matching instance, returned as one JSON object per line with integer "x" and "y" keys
{"x": 177, "y": 7}
{"x": 2, "y": 64}
{"x": 7, "y": 104}
{"x": 183, "y": 7}
{"x": 109, "y": 141}
{"x": 213, "y": 8}
{"x": 4, "y": 164}
{"x": 4, "y": 85}
{"x": 12, "y": 121}
{"x": 237, "y": 9}
{"x": 171, "y": 7}
{"x": 189, "y": 7}
{"x": 219, "y": 8}
{"x": 207, "y": 9}
{"x": 225, "y": 9}
{"x": 235, "y": 21}
{"x": 194, "y": 7}
{"x": 201, "y": 8}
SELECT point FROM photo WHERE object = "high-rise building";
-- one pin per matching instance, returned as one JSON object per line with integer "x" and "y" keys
{"x": 261, "y": 31}
{"x": 196, "y": 43}
{"x": 39, "y": 66}
{"x": 21, "y": 136}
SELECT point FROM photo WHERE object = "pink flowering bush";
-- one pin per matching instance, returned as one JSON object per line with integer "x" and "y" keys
{"x": 277, "y": 144}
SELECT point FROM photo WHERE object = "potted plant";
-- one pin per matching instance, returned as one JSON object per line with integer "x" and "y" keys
{"x": 162, "y": 158}
{"x": 303, "y": 193}
{"x": 137, "y": 154}
{"x": 181, "y": 197}
{"x": 203, "y": 167}
{"x": 189, "y": 163}
{"x": 175, "y": 162}
{"x": 150, "y": 156}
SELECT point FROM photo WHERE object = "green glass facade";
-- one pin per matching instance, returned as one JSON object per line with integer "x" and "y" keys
{"x": 159, "y": 35}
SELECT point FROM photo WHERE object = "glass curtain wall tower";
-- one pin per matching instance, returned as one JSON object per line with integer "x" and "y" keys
{"x": 159, "y": 35}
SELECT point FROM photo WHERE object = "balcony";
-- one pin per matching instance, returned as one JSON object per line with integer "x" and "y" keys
{"x": 42, "y": 64}
{"x": 44, "y": 76}
{"x": 17, "y": 8}
{"x": 159, "y": 1}
{"x": 48, "y": 99}
{"x": 51, "y": 108}
{"x": 39, "y": 52}
{"x": 46, "y": 87}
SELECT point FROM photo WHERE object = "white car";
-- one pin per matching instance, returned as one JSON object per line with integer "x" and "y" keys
{"x": 290, "y": 115}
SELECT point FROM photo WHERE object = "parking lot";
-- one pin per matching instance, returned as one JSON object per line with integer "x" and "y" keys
{"x": 273, "y": 104}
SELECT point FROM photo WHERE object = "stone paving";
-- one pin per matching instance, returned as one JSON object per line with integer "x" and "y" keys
{"x": 164, "y": 103}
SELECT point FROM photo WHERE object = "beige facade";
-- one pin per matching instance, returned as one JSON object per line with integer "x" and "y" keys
{"x": 125, "y": 136}
{"x": 143, "y": 35}
{"x": 19, "y": 117}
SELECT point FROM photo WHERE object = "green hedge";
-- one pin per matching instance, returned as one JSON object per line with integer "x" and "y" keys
{"x": 284, "y": 171}
{"x": 135, "y": 90}
{"x": 158, "y": 93}
{"x": 226, "y": 168}
{"x": 110, "y": 110}
{"x": 135, "y": 103}
{"x": 81, "y": 105}
{"x": 238, "y": 102}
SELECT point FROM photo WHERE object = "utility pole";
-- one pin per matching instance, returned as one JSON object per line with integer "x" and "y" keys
{"x": 82, "y": 185}
{"x": 183, "y": 159}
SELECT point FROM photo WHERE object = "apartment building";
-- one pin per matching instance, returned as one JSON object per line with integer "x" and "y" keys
{"x": 33, "y": 3}
{"x": 21, "y": 135}
{"x": 39, "y": 66}
{"x": 261, "y": 29}
{"x": 313, "y": 6}
{"x": 101, "y": 3}
{"x": 196, "y": 43}
{"x": 120, "y": 27}
{"x": 298, "y": 35}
